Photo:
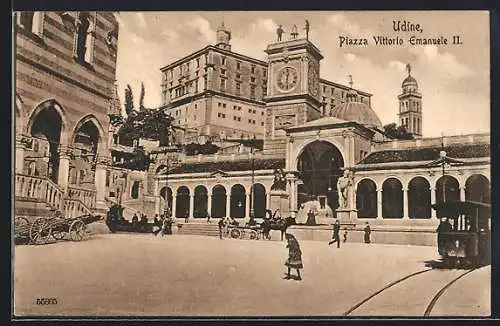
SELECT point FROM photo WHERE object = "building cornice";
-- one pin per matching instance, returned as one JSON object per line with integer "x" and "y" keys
{"x": 344, "y": 87}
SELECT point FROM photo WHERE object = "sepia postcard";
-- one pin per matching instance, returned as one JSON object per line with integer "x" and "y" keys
{"x": 251, "y": 164}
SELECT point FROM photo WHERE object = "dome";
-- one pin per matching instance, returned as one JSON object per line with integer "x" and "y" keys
{"x": 357, "y": 112}
{"x": 409, "y": 81}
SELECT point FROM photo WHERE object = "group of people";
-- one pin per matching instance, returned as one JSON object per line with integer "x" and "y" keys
{"x": 336, "y": 234}
{"x": 162, "y": 225}
{"x": 143, "y": 220}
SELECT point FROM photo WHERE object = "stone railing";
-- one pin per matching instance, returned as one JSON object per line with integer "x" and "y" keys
{"x": 38, "y": 187}
{"x": 86, "y": 196}
{"x": 74, "y": 208}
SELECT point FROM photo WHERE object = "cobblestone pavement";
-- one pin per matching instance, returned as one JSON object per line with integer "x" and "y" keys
{"x": 122, "y": 274}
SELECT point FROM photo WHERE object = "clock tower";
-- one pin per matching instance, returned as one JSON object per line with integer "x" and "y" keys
{"x": 293, "y": 96}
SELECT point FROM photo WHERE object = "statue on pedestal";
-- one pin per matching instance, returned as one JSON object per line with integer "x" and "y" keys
{"x": 343, "y": 186}
{"x": 279, "y": 180}
{"x": 280, "y": 32}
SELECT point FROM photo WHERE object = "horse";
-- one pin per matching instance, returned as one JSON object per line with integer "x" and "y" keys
{"x": 276, "y": 224}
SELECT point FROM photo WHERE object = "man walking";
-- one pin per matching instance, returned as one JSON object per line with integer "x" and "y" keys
{"x": 368, "y": 231}
{"x": 221, "y": 227}
{"x": 336, "y": 234}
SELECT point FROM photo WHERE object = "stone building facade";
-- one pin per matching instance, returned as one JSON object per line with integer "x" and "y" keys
{"x": 391, "y": 183}
{"x": 216, "y": 93}
{"x": 65, "y": 68}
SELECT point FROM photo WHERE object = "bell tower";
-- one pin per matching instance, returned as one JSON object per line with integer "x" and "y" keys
{"x": 293, "y": 87}
{"x": 223, "y": 37}
{"x": 410, "y": 105}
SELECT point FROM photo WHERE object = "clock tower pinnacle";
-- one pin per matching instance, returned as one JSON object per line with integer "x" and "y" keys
{"x": 293, "y": 86}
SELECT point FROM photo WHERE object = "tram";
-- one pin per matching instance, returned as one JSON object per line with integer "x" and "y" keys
{"x": 464, "y": 235}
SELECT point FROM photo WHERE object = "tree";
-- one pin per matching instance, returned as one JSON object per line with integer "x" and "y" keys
{"x": 397, "y": 132}
{"x": 129, "y": 100}
{"x": 141, "y": 97}
{"x": 150, "y": 124}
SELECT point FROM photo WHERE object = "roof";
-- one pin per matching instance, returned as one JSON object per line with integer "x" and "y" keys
{"x": 358, "y": 112}
{"x": 427, "y": 153}
{"x": 409, "y": 80}
{"x": 227, "y": 166}
{"x": 344, "y": 87}
{"x": 323, "y": 122}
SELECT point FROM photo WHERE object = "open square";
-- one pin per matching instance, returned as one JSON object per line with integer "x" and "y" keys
{"x": 142, "y": 275}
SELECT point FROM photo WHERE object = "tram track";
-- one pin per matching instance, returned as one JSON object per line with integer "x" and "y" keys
{"x": 400, "y": 281}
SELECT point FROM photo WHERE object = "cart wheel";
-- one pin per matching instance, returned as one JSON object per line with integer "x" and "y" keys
{"x": 235, "y": 233}
{"x": 58, "y": 225}
{"x": 254, "y": 235}
{"x": 40, "y": 231}
{"x": 21, "y": 229}
{"x": 78, "y": 230}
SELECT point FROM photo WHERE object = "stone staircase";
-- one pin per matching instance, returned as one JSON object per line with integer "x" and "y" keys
{"x": 204, "y": 229}
{"x": 37, "y": 196}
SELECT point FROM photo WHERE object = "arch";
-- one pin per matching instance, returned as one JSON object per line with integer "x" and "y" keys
{"x": 447, "y": 189}
{"x": 300, "y": 149}
{"x": 238, "y": 201}
{"x": 88, "y": 118}
{"x": 49, "y": 103}
{"x": 159, "y": 168}
{"x": 366, "y": 198}
{"x": 134, "y": 190}
{"x": 182, "y": 202}
{"x": 166, "y": 195}
{"x": 419, "y": 198}
{"x": 320, "y": 165}
{"x": 259, "y": 204}
{"x": 477, "y": 188}
{"x": 219, "y": 198}
{"x": 200, "y": 202}
{"x": 392, "y": 198}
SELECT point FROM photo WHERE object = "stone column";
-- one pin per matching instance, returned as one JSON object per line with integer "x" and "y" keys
{"x": 100, "y": 183}
{"x": 247, "y": 207}
{"x": 379, "y": 203}
{"x": 20, "y": 149}
{"x": 352, "y": 154}
{"x": 462, "y": 193}
{"x": 157, "y": 196}
{"x": 292, "y": 191}
{"x": 209, "y": 204}
{"x": 347, "y": 151}
{"x": 433, "y": 201}
{"x": 63, "y": 173}
{"x": 405, "y": 203}
{"x": 268, "y": 199}
{"x": 173, "y": 209}
{"x": 228, "y": 205}
{"x": 191, "y": 206}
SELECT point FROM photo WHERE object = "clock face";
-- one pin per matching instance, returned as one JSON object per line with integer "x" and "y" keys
{"x": 287, "y": 78}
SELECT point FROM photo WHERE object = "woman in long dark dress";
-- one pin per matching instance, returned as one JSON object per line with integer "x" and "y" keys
{"x": 294, "y": 256}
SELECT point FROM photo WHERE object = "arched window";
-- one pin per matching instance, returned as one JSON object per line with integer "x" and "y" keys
{"x": 419, "y": 198}
{"x": 366, "y": 199}
{"x": 31, "y": 22}
{"x": 477, "y": 188}
{"x": 259, "y": 203}
{"x": 134, "y": 191}
{"x": 84, "y": 39}
{"x": 392, "y": 198}
{"x": 238, "y": 201}
{"x": 82, "y": 176}
{"x": 166, "y": 195}
{"x": 200, "y": 202}
{"x": 32, "y": 168}
{"x": 219, "y": 201}
{"x": 182, "y": 202}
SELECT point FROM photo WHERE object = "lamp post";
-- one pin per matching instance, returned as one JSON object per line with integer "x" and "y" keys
{"x": 252, "y": 190}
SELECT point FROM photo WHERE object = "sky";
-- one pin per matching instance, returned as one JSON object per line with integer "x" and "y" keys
{"x": 454, "y": 79}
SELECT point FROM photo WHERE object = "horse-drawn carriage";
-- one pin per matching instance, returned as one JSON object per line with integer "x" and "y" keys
{"x": 257, "y": 231}
{"x": 39, "y": 230}
{"x": 116, "y": 222}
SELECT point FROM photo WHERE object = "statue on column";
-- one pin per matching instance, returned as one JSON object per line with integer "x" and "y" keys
{"x": 343, "y": 186}
{"x": 280, "y": 32}
{"x": 307, "y": 29}
{"x": 294, "y": 32}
